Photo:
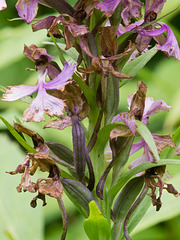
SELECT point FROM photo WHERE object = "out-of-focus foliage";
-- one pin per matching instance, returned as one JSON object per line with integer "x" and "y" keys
{"x": 162, "y": 78}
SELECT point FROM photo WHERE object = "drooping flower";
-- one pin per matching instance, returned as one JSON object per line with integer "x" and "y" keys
{"x": 3, "y": 5}
{"x": 43, "y": 101}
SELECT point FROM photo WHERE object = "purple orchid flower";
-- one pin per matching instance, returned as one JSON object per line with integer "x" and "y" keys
{"x": 43, "y": 101}
{"x": 3, "y": 5}
{"x": 151, "y": 107}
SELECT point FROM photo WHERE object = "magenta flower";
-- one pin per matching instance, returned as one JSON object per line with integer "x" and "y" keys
{"x": 3, "y": 5}
{"x": 27, "y": 9}
{"x": 43, "y": 101}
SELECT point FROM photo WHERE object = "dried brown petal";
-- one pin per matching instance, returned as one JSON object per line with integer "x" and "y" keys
{"x": 108, "y": 45}
{"x": 38, "y": 141}
{"x": 60, "y": 123}
{"x": 138, "y": 101}
{"x": 120, "y": 131}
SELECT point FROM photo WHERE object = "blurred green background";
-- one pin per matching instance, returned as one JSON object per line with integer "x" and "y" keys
{"x": 17, "y": 219}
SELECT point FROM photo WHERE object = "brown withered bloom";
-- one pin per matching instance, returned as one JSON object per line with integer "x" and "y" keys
{"x": 153, "y": 180}
{"x": 75, "y": 104}
{"x": 51, "y": 185}
{"x": 105, "y": 63}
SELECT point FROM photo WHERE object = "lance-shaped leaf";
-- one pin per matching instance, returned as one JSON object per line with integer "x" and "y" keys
{"x": 78, "y": 148}
{"x": 96, "y": 226}
{"x": 62, "y": 155}
{"x": 78, "y": 194}
{"x": 112, "y": 98}
{"x": 61, "y": 151}
{"x": 132, "y": 209}
{"x": 121, "y": 159}
{"x": 133, "y": 67}
{"x": 123, "y": 203}
{"x": 146, "y": 134}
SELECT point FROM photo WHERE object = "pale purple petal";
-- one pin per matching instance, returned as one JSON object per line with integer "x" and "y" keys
{"x": 128, "y": 118}
{"x": 122, "y": 29}
{"x": 43, "y": 103}
{"x": 3, "y": 5}
{"x": 27, "y": 9}
{"x": 14, "y": 93}
{"x": 152, "y": 33}
{"x": 137, "y": 146}
{"x": 108, "y": 6}
{"x": 152, "y": 107}
{"x": 62, "y": 78}
{"x": 170, "y": 47}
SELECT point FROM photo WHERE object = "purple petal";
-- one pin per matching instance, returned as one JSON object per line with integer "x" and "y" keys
{"x": 3, "y": 5}
{"x": 43, "y": 103}
{"x": 108, "y": 6}
{"x": 152, "y": 107}
{"x": 16, "y": 92}
{"x": 84, "y": 45}
{"x": 132, "y": 8}
{"x": 138, "y": 161}
{"x": 137, "y": 146}
{"x": 170, "y": 47}
{"x": 152, "y": 33}
{"x": 128, "y": 118}
{"x": 122, "y": 29}
{"x": 62, "y": 78}
{"x": 27, "y": 9}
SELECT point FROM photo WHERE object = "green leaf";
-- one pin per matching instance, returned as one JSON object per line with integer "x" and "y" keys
{"x": 18, "y": 220}
{"x": 138, "y": 214}
{"x": 147, "y": 136}
{"x": 78, "y": 194}
{"x": 121, "y": 160}
{"x": 96, "y": 226}
{"x": 112, "y": 98}
{"x": 59, "y": 51}
{"x": 133, "y": 67}
{"x": 18, "y": 137}
{"x": 124, "y": 202}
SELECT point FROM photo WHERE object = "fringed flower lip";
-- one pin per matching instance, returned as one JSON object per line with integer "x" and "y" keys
{"x": 43, "y": 101}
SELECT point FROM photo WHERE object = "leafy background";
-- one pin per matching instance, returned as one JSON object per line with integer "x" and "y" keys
{"x": 17, "y": 219}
